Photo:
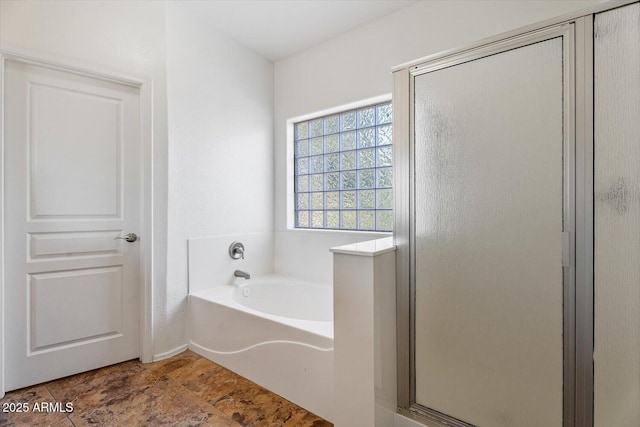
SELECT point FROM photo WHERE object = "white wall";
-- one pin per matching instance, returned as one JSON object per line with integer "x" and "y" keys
{"x": 210, "y": 264}
{"x": 356, "y": 66}
{"x": 364, "y": 356}
{"x": 220, "y": 104}
{"x": 305, "y": 253}
{"x": 125, "y": 38}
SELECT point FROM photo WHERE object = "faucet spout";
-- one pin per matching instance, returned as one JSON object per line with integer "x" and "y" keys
{"x": 242, "y": 274}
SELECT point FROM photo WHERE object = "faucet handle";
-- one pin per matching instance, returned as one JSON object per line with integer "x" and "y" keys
{"x": 236, "y": 250}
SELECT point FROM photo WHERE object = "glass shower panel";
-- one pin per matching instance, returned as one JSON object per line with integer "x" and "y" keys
{"x": 617, "y": 217}
{"x": 488, "y": 238}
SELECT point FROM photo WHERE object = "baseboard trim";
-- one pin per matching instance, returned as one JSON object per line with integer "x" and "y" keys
{"x": 170, "y": 353}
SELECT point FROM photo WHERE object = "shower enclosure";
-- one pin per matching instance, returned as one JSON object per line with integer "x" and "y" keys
{"x": 509, "y": 156}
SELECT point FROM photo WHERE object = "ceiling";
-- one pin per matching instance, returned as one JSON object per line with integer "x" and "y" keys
{"x": 277, "y": 29}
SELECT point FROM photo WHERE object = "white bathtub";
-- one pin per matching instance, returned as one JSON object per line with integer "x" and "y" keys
{"x": 276, "y": 331}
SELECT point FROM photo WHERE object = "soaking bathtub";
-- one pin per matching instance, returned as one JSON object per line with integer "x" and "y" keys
{"x": 276, "y": 331}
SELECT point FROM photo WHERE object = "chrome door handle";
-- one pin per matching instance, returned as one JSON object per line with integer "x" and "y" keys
{"x": 130, "y": 237}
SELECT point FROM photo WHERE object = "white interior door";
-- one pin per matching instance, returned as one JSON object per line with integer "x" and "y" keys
{"x": 72, "y": 185}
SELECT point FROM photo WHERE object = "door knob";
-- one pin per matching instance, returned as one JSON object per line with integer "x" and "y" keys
{"x": 130, "y": 237}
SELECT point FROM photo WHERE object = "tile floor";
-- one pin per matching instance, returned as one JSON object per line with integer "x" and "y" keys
{"x": 185, "y": 390}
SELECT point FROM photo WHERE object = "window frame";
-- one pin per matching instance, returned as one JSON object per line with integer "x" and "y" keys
{"x": 290, "y": 165}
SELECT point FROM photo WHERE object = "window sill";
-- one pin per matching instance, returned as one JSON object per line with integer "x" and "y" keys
{"x": 375, "y": 234}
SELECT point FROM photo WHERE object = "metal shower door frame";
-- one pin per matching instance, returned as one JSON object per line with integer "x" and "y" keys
{"x": 577, "y": 210}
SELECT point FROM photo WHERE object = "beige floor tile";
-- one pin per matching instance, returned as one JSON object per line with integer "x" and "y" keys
{"x": 210, "y": 380}
{"x": 163, "y": 367}
{"x": 163, "y": 403}
{"x": 36, "y": 416}
{"x": 93, "y": 388}
{"x": 184, "y": 390}
{"x": 241, "y": 399}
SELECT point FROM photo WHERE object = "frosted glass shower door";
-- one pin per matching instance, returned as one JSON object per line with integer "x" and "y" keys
{"x": 616, "y": 356}
{"x": 488, "y": 245}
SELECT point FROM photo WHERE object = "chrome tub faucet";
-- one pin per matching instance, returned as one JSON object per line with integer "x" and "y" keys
{"x": 242, "y": 274}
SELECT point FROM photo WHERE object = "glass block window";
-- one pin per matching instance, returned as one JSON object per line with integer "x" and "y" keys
{"x": 343, "y": 174}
